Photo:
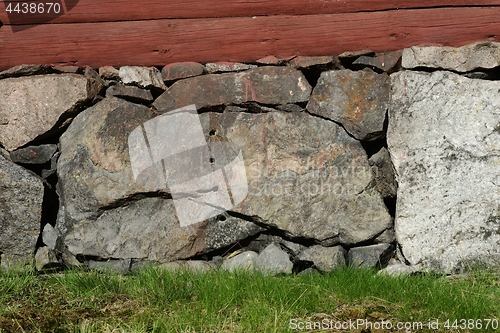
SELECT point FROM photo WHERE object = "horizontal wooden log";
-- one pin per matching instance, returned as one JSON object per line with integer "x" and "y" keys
{"x": 159, "y": 42}
{"x": 79, "y": 11}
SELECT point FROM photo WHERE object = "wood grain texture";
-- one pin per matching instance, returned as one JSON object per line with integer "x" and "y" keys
{"x": 133, "y": 10}
{"x": 159, "y": 42}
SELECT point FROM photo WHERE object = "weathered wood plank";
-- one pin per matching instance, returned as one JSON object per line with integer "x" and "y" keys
{"x": 123, "y": 10}
{"x": 160, "y": 42}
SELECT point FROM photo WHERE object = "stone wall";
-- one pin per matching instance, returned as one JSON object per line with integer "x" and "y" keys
{"x": 354, "y": 159}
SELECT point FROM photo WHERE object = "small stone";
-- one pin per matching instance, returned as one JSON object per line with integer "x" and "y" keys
{"x": 34, "y": 154}
{"x": 398, "y": 269}
{"x": 324, "y": 258}
{"x": 45, "y": 259}
{"x": 306, "y": 62}
{"x": 69, "y": 259}
{"x": 269, "y": 60}
{"x": 92, "y": 74}
{"x": 481, "y": 55}
{"x": 358, "y": 100}
{"x": 272, "y": 260}
{"x": 49, "y": 236}
{"x": 181, "y": 70}
{"x": 25, "y": 70}
{"x": 243, "y": 261}
{"x": 385, "y": 179}
{"x": 109, "y": 73}
{"x": 221, "y": 67}
{"x": 144, "y": 77}
{"x": 386, "y": 62}
{"x": 370, "y": 256}
{"x": 347, "y": 58}
{"x": 134, "y": 94}
{"x": 53, "y": 166}
{"x": 293, "y": 248}
{"x": 111, "y": 266}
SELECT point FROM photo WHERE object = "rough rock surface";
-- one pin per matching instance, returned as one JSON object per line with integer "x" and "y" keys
{"x": 34, "y": 154}
{"x": 482, "y": 55}
{"x": 357, "y": 100}
{"x": 220, "y": 67}
{"x": 267, "y": 85}
{"x": 385, "y": 180}
{"x": 181, "y": 70}
{"x": 21, "y": 196}
{"x": 25, "y": 70}
{"x": 106, "y": 214}
{"x": 31, "y": 106}
{"x": 273, "y": 260}
{"x": 144, "y": 77}
{"x": 444, "y": 141}
{"x": 305, "y": 175}
{"x": 306, "y": 62}
{"x": 243, "y": 261}
{"x": 46, "y": 259}
{"x": 386, "y": 62}
{"x": 324, "y": 258}
{"x": 371, "y": 256}
{"x": 131, "y": 93}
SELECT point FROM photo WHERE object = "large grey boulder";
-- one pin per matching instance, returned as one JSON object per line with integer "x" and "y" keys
{"x": 357, "y": 100}
{"x": 107, "y": 214}
{"x": 32, "y": 106}
{"x": 481, "y": 55}
{"x": 444, "y": 141}
{"x": 306, "y": 175}
{"x": 21, "y": 195}
{"x": 266, "y": 85}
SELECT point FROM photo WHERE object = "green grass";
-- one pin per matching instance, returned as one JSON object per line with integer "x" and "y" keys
{"x": 154, "y": 300}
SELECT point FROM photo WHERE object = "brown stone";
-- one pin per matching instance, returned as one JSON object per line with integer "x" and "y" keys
{"x": 386, "y": 62}
{"x": 181, "y": 70}
{"x": 130, "y": 92}
{"x": 267, "y": 85}
{"x": 305, "y": 62}
{"x": 269, "y": 60}
{"x": 357, "y": 100}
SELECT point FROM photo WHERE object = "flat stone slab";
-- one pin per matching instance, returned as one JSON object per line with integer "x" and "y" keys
{"x": 482, "y": 55}
{"x": 444, "y": 140}
{"x": 267, "y": 85}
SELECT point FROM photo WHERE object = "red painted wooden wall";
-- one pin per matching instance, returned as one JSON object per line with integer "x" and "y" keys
{"x": 158, "y": 32}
